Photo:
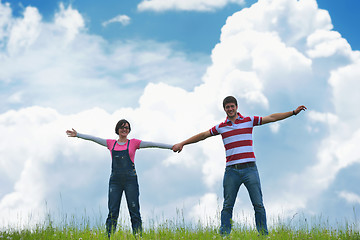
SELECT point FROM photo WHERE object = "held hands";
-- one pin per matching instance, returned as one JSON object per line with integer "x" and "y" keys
{"x": 177, "y": 147}
{"x": 71, "y": 133}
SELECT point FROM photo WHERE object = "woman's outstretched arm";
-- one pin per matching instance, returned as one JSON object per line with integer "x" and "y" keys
{"x": 147, "y": 144}
{"x": 74, "y": 133}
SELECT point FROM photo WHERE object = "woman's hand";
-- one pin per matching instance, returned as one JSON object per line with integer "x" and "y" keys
{"x": 71, "y": 133}
{"x": 177, "y": 147}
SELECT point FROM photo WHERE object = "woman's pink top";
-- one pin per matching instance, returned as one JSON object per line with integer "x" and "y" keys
{"x": 133, "y": 146}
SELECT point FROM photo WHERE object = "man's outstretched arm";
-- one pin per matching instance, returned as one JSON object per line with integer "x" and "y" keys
{"x": 196, "y": 138}
{"x": 280, "y": 116}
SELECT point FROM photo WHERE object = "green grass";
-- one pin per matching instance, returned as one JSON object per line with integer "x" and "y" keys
{"x": 49, "y": 233}
{"x": 178, "y": 230}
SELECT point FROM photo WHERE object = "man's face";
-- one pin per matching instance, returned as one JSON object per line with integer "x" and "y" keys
{"x": 231, "y": 110}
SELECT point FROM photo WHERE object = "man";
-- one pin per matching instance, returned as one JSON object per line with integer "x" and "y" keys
{"x": 236, "y": 133}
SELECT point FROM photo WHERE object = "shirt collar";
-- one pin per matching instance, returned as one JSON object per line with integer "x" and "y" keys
{"x": 238, "y": 117}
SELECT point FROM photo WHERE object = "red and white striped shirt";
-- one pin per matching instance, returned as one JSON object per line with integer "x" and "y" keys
{"x": 237, "y": 138}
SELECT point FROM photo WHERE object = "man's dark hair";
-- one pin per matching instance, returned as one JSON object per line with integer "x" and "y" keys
{"x": 229, "y": 99}
{"x": 120, "y": 124}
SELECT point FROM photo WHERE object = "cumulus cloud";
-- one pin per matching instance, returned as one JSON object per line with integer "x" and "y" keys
{"x": 327, "y": 43}
{"x": 350, "y": 197}
{"x": 185, "y": 5}
{"x": 206, "y": 209}
{"x": 123, "y": 19}
{"x": 25, "y": 31}
{"x": 271, "y": 57}
{"x": 69, "y": 20}
{"x": 54, "y": 60}
{"x": 282, "y": 67}
{"x": 5, "y": 16}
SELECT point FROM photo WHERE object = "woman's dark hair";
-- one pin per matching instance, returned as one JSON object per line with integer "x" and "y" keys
{"x": 229, "y": 99}
{"x": 120, "y": 124}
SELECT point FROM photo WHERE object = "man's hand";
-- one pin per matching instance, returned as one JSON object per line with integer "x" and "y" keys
{"x": 177, "y": 147}
{"x": 280, "y": 116}
{"x": 299, "y": 109}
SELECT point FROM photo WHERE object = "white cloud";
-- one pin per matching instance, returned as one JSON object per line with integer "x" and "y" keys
{"x": 15, "y": 98}
{"x": 270, "y": 57}
{"x": 327, "y": 118}
{"x": 293, "y": 21}
{"x": 185, "y": 5}
{"x": 123, "y": 19}
{"x": 283, "y": 65}
{"x": 275, "y": 127}
{"x": 207, "y": 209}
{"x": 25, "y": 31}
{"x": 57, "y": 70}
{"x": 324, "y": 43}
{"x": 70, "y": 20}
{"x": 5, "y": 16}
{"x": 350, "y": 197}
{"x": 344, "y": 83}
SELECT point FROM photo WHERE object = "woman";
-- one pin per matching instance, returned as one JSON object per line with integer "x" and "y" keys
{"x": 123, "y": 174}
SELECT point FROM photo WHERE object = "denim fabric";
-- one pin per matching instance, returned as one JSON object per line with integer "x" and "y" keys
{"x": 123, "y": 179}
{"x": 233, "y": 178}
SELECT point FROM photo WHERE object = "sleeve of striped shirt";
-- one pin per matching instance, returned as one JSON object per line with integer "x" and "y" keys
{"x": 213, "y": 131}
{"x": 257, "y": 121}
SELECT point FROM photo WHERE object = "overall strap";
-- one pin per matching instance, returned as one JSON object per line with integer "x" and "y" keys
{"x": 127, "y": 147}
{"x": 114, "y": 146}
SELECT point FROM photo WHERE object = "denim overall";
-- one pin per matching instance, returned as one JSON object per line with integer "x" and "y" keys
{"x": 123, "y": 178}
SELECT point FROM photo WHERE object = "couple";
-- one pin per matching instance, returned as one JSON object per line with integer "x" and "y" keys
{"x": 236, "y": 132}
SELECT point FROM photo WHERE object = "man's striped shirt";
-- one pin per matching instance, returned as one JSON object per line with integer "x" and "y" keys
{"x": 237, "y": 138}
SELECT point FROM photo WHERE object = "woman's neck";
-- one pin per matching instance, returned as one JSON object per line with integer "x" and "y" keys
{"x": 122, "y": 139}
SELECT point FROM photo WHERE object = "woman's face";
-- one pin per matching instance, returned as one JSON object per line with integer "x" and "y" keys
{"x": 124, "y": 130}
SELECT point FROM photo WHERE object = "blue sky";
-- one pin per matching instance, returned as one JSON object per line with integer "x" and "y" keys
{"x": 190, "y": 30}
{"x": 166, "y": 68}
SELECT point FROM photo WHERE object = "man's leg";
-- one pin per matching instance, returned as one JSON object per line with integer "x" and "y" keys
{"x": 252, "y": 183}
{"x": 231, "y": 184}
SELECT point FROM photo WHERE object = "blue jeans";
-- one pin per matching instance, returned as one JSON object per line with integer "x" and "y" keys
{"x": 233, "y": 178}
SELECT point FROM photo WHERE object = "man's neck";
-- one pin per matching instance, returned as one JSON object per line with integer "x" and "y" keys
{"x": 232, "y": 119}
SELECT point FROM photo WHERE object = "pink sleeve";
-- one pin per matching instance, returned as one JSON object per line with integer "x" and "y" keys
{"x": 110, "y": 143}
{"x": 134, "y": 145}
